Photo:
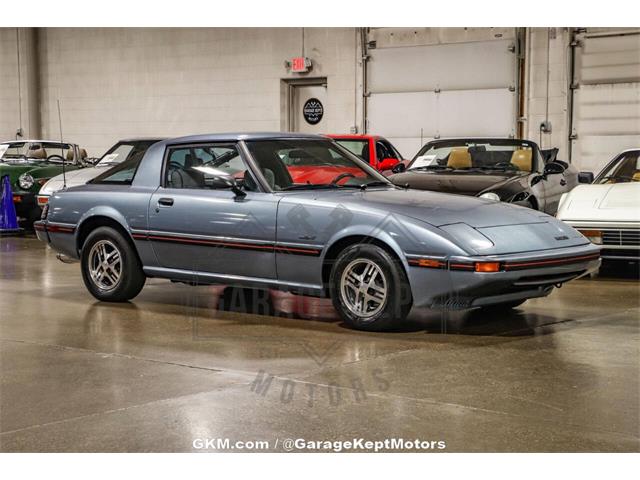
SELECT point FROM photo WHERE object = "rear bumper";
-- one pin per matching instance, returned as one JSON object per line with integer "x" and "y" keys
{"x": 456, "y": 284}
{"x": 61, "y": 236}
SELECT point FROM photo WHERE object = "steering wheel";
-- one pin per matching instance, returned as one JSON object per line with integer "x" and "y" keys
{"x": 341, "y": 176}
{"x": 55, "y": 157}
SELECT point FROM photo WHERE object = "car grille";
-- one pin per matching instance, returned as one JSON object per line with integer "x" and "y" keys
{"x": 627, "y": 238}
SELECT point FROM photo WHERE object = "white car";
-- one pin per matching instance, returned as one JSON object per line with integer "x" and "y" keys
{"x": 607, "y": 211}
{"x": 121, "y": 151}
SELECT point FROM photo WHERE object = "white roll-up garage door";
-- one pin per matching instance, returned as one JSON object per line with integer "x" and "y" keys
{"x": 422, "y": 86}
{"x": 606, "y": 102}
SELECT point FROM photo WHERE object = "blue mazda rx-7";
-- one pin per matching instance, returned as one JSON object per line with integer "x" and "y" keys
{"x": 302, "y": 214}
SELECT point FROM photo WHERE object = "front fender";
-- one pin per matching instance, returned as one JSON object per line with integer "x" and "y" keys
{"x": 405, "y": 236}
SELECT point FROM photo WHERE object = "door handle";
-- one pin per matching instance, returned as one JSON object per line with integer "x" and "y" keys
{"x": 165, "y": 202}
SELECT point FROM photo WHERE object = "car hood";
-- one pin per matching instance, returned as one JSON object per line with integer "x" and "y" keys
{"x": 460, "y": 183}
{"x": 73, "y": 178}
{"x": 509, "y": 228}
{"x": 602, "y": 203}
{"x": 37, "y": 169}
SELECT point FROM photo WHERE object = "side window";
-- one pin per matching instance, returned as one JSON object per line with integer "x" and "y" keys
{"x": 202, "y": 167}
{"x": 392, "y": 150}
{"x": 382, "y": 151}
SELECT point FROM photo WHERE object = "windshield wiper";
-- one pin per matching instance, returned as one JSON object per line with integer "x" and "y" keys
{"x": 375, "y": 183}
{"x": 431, "y": 167}
{"x": 310, "y": 186}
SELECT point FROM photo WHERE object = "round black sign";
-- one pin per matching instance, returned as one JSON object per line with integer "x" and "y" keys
{"x": 313, "y": 111}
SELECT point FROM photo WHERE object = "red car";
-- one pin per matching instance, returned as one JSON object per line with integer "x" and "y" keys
{"x": 375, "y": 150}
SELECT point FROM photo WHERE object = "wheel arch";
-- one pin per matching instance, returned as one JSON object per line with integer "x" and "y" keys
{"x": 102, "y": 219}
{"x": 346, "y": 241}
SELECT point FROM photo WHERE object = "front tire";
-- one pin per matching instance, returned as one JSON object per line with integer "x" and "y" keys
{"x": 369, "y": 288}
{"x": 111, "y": 269}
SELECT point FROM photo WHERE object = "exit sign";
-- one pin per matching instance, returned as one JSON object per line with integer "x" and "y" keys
{"x": 300, "y": 64}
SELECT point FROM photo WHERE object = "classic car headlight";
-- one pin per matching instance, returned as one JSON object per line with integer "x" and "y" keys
{"x": 25, "y": 181}
{"x": 490, "y": 196}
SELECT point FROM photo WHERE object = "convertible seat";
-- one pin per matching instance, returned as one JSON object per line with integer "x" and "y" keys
{"x": 521, "y": 158}
{"x": 636, "y": 175}
{"x": 39, "y": 154}
{"x": 83, "y": 154}
{"x": 459, "y": 158}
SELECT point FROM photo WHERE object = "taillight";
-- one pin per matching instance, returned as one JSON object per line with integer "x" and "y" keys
{"x": 489, "y": 267}
{"x": 43, "y": 200}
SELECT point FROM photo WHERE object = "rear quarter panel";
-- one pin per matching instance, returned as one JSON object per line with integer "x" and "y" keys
{"x": 125, "y": 204}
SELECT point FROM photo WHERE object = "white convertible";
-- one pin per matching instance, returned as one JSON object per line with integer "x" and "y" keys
{"x": 607, "y": 211}
{"x": 121, "y": 151}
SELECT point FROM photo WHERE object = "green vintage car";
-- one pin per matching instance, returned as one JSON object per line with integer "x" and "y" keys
{"x": 29, "y": 164}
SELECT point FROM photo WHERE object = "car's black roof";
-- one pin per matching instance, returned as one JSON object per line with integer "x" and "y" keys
{"x": 235, "y": 136}
{"x": 143, "y": 139}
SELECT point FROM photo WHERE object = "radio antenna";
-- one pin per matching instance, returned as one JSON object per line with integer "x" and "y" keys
{"x": 64, "y": 173}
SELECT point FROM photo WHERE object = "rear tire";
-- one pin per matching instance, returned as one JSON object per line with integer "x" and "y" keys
{"x": 111, "y": 269}
{"x": 369, "y": 288}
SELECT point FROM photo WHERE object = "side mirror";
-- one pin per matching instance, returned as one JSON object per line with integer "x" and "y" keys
{"x": 553, "y": 168}
{"x": 585, "y": 177}
{"x": 224, "y": 181}
{"x": 387, "y": 164}
{"x": 399, "y": 167}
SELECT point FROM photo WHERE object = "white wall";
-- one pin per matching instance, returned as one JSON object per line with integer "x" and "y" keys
{"x": 118, "y": 83}
{"x": 19, "y": 76}
{"x": 9, "y": 113}
{"x": 547, "y": 56}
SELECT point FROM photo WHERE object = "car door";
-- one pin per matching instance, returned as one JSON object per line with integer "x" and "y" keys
{"x": 385, "y": 152}
{"x": 555, "y": 184}
{"x": 200, "y": 225}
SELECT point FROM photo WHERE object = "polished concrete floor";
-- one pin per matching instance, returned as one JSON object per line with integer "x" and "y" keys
{"x": 558, "y": 374}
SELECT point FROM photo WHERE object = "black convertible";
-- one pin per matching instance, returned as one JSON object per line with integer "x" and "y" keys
{"x": 507, "y": 170}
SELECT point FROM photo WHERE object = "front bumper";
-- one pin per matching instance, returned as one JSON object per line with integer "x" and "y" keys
{"x": 455, "y": 283}
{"x": 620, "y": 240}
{"x": 26, "y": 205}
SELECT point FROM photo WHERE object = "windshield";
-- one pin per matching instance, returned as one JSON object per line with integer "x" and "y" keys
{"x": 304, "y": 164}
{"x": 463, "y": 155}
{"x": 52, "y": 152}
{"x": 357, "y": 147}
{"x": 13, "y": 150}
{"x": 626, "y": 168}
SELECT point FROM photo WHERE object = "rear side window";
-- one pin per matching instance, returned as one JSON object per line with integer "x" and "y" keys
{"x": 122, "y": 173}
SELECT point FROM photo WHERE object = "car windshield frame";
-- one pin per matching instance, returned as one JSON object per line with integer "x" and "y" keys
{"x": 373, "y": 177}
{"x": 536, "y": 164}
{"x": 605, "y": 176}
